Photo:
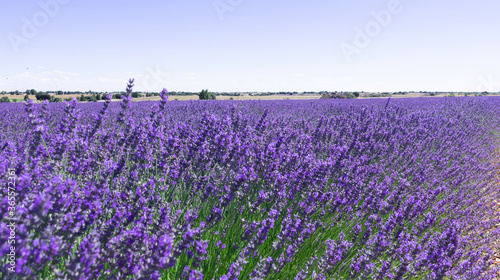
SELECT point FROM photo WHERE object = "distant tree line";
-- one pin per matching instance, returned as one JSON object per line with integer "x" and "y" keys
{"x": 340, "y": 95}
{"x": 93, "y": 96}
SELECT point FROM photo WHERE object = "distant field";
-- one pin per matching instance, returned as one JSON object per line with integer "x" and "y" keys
{"x": 221, "y": 97}
{"x": 191, "y": 97}
{"x": 245, "y": 97}
{"x": 21, "y": 97}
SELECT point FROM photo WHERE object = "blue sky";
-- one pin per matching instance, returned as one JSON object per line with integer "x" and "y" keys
{"x": 243, "y": 45}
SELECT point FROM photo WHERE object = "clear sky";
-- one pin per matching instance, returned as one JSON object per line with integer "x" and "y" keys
{"x": 257, "y": 45}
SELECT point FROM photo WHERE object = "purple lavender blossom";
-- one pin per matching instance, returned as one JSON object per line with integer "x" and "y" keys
{"x": 316, "y": 189}
{"x": 164, "y": 98}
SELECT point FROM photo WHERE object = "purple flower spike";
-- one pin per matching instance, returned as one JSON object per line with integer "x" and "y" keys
{"x": 125, "y": 104}
{"x": 164, "y": 98}
{"x": 130, "y": 85}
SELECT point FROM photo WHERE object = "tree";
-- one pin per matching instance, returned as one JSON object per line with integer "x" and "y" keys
{"x": 350, "y": 95}
{"x": 32, "y": 92}
{"x": 337, "y": 95}
{"x": 4, "y": 99}
{"x": 206, "y": 95}
{"x": 42, "y": 96}
{"x": 356, "y": 94}
{"x": 203, "y": 95}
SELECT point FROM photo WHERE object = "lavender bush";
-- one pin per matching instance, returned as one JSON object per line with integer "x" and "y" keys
{"x": 319, "y": 189}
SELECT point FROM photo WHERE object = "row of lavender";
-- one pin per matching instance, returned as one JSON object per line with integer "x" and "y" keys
{"x": 250, "y": 190}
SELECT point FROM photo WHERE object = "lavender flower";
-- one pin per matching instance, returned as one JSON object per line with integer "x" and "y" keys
{"x": 164, "y": 98}
{"x": 317, "y": 189}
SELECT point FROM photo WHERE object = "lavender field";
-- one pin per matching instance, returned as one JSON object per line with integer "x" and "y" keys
{"x": 311, "y": 189}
